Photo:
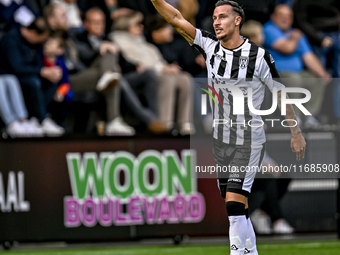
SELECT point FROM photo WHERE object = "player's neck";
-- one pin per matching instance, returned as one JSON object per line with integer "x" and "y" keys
{"x": 232, "y": 42}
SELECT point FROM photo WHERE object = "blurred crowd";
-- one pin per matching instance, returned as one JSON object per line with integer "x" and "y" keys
{"x": 115, "y": 67}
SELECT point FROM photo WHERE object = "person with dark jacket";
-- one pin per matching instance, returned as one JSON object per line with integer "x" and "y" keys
{"x": 21, "y": 55}
{"x": 174, "y": 48}
{"x": 320, "y": 21}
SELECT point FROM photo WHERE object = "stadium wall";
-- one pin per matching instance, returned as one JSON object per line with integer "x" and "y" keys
{"x": 78, "y": 189}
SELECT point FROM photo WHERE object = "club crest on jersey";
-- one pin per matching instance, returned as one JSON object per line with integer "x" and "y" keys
{"x": 244, "y": 62}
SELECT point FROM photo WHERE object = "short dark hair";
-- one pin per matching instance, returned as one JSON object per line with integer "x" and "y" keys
{"x": 97, "y": 9}
{"x": 236, "y": 8}
{"x": 58, "y": 35}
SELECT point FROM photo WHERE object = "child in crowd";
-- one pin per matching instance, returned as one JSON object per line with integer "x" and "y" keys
{"x": 53, "y": 51}
{"x": 13, "y": 110}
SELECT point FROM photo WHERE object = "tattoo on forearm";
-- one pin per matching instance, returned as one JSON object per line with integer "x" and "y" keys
{"x": 290, "y": 114}
{"x": 174, "y": 16}
{"x": 279, "y": 99}
{"x": 187, "y": 36}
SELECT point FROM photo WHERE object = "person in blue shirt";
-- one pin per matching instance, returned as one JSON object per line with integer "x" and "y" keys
{"x": 295, "y": 60}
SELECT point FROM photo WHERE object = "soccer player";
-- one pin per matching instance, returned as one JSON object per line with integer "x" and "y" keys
{"x": 232, "y": 59}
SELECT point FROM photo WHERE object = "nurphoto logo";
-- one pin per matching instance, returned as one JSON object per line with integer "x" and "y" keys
{"x": 239, "y": 94}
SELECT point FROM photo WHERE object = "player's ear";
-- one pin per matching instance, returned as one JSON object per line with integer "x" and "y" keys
{"x": 238, "y": 20}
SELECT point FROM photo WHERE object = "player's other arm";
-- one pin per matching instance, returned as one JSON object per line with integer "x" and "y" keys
{"x": 175, "y": 18}
{"x": 298, "y": 143}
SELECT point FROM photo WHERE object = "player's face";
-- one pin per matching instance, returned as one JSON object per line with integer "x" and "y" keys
{"x": 225, "y": 21}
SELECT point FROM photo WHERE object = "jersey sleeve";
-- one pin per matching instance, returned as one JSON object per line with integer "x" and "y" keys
{"x": 203, "y": 41}
{"x": 269, "y": 74}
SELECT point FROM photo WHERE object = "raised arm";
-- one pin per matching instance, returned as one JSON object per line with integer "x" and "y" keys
{"x": 298, "y": 143}
{"x": 175, "y": 18}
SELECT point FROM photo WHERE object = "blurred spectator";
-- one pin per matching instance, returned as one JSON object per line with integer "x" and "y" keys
{"x": 136, "y": 50}
{"x": 56, "y": 18}
{"x": 204, "y": 19}
{"x": 291, "y": 51}
{"x": 259, "y": 10}
{"x": 85, "y": 5}
{"x": 12, "y": 13}
{"x": 100, "y": 56}
{"x": 253, "y": 30}
{"x": 37, "y": 6}
{"x": 13, "y": 110}
{"x": 320, "y": 21}
{"x": 264, "y": 201}
{"x": 174, "y": 48}
{"x": 72, "y": 12}
{"x": 144, "y": 83}
{"x": 101, "y": 71}
{"x": 21, "y": 55}
{"x": 189, "y": 9}
{"x": 53, "y": 51}
{"x": 119, "y": 8}
{"x": 116, "y": 10}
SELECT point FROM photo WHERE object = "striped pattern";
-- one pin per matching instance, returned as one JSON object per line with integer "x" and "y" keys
{"x": 247, "y": 66}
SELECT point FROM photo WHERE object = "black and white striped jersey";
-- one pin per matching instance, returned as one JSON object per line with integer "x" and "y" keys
{"x": 245, "y": 66}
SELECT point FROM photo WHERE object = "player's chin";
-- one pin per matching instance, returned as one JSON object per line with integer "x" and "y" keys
{"x": 220, "y": 36}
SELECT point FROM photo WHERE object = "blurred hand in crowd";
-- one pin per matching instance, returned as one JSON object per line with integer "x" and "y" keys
{"x": 140, "y": 68}
{"x": 53, "y": 74}
{"x": 172, "y": 69}
{"x": 326, "y": 78}
{"x": 106, "y": 47}
{"x": 200, "y": 61}
{"x": 296, "y": 34}
{"x": 327, "y": 42}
